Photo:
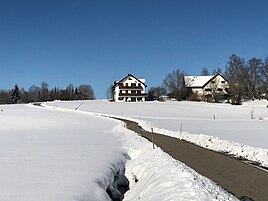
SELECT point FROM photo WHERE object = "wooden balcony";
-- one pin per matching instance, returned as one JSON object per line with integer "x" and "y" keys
{"x": 133, "y": 94}
{"x": 130, "y": 87}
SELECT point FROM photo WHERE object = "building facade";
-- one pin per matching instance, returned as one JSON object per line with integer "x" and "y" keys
{"x": 208, "y": 88}
{"x": 129, "y": 89}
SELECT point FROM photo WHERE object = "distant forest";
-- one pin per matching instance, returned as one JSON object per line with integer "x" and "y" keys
{"x": 43, "y": 93}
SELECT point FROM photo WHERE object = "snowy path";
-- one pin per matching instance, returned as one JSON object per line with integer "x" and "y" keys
{"x": 242, "y": 180}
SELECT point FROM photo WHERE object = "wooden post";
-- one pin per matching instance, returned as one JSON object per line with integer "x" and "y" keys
{"x": 152, "y": 133}
{"x": 79, "y": 105}
{"x": 181, "y": 128}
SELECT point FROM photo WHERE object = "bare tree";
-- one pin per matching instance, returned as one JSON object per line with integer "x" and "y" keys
{"x": 44, "y": 92}
{"x": 155, "y": 92}
{"x": 4, "y": 96}
{"x": 24, "y": 96}
{"x": 205, "y": 71}
{"x": 109, "y": 92}
{"x": 237, "y": 74}
{"x": 33, "y": 93}
{"x": 254, "y": 82}
{"x": 85, "y": 92}
{"x": 70, "y": 92}
{"x": 174, "y": 84}
{"x": 264, "y": 78}
{"x": 217, "y": 70}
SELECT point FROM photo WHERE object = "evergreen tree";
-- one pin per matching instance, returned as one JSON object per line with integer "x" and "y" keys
{"x": 15, "y": 95}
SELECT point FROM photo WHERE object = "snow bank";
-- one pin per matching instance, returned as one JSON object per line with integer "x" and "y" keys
{"x": 54, "y": 155}
{"x": 235, "y": 149}
{"x": 154, "y": 175}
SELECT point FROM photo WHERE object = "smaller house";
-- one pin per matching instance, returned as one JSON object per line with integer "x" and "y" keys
{"x": 129, "y": 89}
{"x": 207, "y": 88}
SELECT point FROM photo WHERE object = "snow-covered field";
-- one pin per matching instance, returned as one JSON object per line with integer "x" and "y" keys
{"x": 158, "y": 176}
{"x": 59, "y": 153}
{"x": 56, "y": 156}
{"x": 237, "y": 130}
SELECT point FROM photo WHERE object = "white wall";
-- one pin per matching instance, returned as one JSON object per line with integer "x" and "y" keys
{"x": 127, "y": 82}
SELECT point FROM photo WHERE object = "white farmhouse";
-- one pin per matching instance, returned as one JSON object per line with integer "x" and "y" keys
{"x": 207, "y": 88}
{"x": 129, "y": 89}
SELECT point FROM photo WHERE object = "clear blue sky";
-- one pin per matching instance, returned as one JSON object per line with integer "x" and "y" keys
{"x": 96, "y": 42}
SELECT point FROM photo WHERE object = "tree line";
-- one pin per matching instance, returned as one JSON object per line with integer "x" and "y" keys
{"x": 247, "y": 80}
{"x": 43, "y": 93}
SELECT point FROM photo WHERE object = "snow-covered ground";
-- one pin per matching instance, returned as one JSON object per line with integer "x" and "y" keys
{"x": 56, "y": 156}
{"x": 161, "y": 178}
{"x": 158, "y": 176}
{"x": 237, "y": 130}
{"x": 61, "y": 154}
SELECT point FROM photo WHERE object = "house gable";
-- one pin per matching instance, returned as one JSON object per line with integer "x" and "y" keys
{"x": 214, "y": 77}
{"x": 130, "y": 76}
{"x": 200, "y": 81}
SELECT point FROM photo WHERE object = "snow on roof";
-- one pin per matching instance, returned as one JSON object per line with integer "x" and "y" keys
{"x": 141, "y": 80}
{"x": 196, "y": 81}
